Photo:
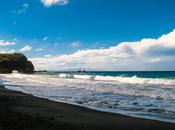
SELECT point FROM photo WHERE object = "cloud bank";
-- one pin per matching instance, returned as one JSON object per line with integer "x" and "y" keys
{"x": 147, "y": 54}
{"x": 49, "y": 3}
{"x": 6, "y": 43}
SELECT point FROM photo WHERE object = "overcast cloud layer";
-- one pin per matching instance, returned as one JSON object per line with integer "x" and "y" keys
{"x": 147, "y": 54}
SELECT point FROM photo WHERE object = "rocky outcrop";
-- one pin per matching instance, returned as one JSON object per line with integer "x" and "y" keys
{"x": 16, "y": 61}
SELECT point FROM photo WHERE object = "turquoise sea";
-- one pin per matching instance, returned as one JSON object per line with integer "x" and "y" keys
{"x": 140, "y": 74}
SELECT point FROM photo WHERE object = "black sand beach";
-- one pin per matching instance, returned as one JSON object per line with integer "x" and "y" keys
{"x": 19, "y": 111}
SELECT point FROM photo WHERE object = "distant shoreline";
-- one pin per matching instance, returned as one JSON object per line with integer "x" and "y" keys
{"x": 23, "y": 111}
{"x": 87, "y": 71}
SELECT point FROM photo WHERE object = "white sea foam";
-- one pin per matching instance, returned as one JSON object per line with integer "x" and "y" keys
{"x": 136, "y": 80}
{"x": 62, "y": 75}
{"x": 132, "y": 95}
{"x": 127, "y": 80}
{"x": 87, "y": 77}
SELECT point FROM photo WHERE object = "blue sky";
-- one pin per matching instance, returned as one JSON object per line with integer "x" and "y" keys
{"x": 51, "y": 28}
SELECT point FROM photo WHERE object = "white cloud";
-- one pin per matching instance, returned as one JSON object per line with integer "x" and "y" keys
{"x": 45, "y": 38}
{"x": 47, "y": 56}
{"x": 75, "y": 44}
{"x": 39, "y": 49}
{"x": 147, "y": 54}
{"x": 27, "y": 48}
{"x": 49, "y": 3}
{"x": 6, "y": 43}
{"x": 22, "y": 9}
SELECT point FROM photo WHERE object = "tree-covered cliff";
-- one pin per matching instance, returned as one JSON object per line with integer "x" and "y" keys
{"x": 16, "y": 61}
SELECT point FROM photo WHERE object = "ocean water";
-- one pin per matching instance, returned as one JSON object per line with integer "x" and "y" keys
{"x": 148, "y": 95}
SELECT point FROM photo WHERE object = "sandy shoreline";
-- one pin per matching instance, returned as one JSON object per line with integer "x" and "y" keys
{"x": 19, "y": 111}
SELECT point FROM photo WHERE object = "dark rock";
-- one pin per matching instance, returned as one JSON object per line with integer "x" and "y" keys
{"x": 16, "y": 61}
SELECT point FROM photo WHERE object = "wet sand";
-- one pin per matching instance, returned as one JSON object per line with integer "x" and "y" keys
{"x": 19, "y": 111}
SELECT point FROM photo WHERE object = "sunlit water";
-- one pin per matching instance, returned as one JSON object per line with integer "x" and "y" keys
{"x": 133, "y": 94}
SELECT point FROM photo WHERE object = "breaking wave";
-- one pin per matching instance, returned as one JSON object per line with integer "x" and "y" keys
{"x": 127, "y": 80}
{"x": 152, "y": 98}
